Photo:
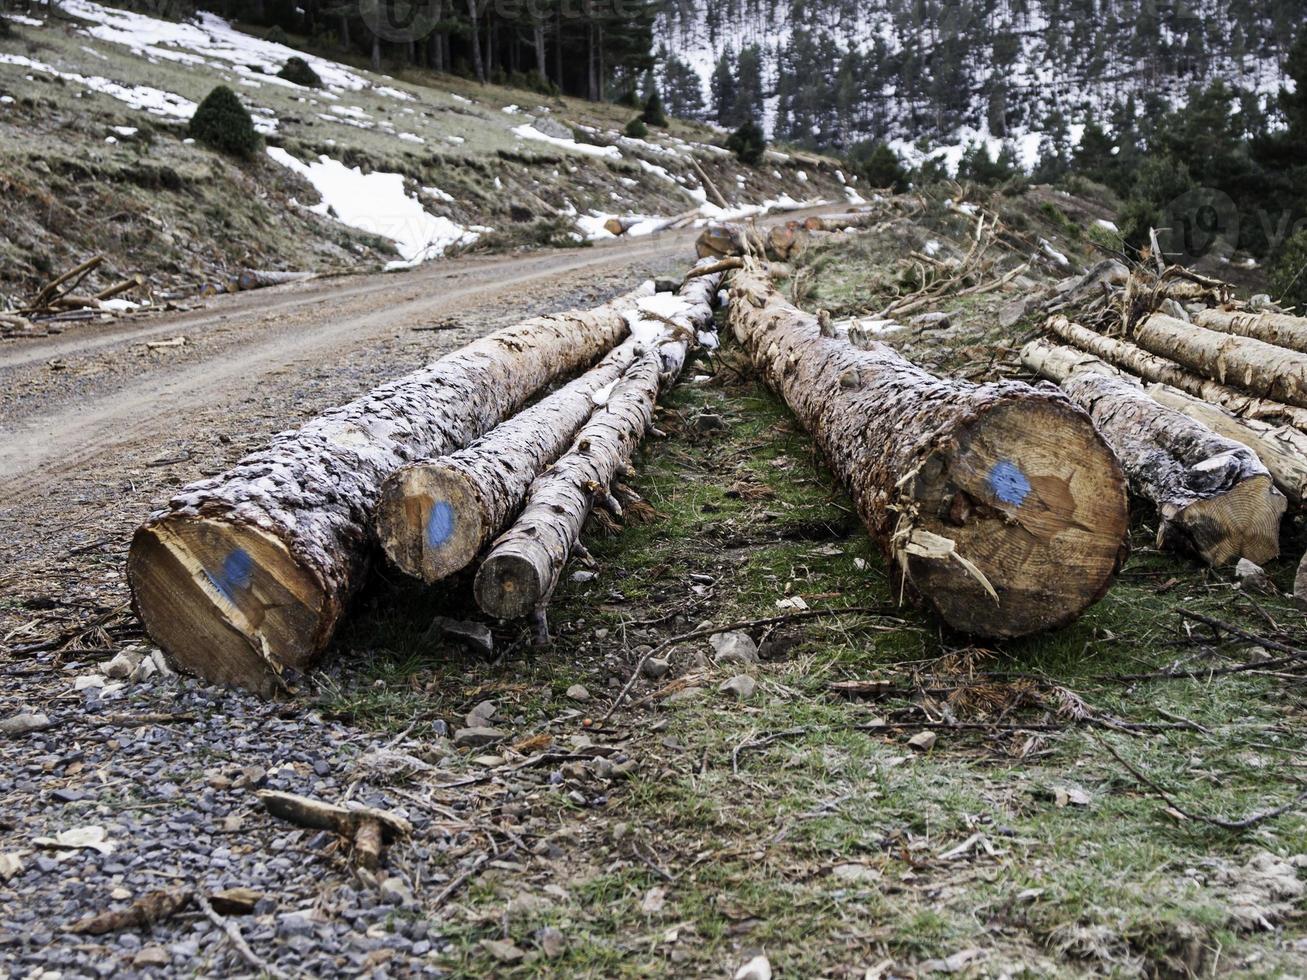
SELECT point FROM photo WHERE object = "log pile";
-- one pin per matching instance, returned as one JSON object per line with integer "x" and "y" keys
{"x": 247, "y": 574}
{"x": 999, "y": 505}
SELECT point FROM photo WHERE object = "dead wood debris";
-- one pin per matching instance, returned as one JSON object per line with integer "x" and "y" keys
{"x": 366, "y": 828}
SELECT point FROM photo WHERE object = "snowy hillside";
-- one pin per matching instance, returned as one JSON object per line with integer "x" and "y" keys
{"x": 835, "y": 71}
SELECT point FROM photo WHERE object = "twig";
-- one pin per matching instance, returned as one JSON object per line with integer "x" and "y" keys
{"x": 462, "y": 879}
{"x": 725, "y": 265}
{"x": 1243, "y": 823}
{"x": 741, "y": 625}
{"x": 233, "y": 934}
{"x": 758, "y": 743}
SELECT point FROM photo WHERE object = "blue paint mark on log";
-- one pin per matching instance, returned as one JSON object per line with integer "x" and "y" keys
{"x": 1008, "y": 482}
{"x": 440, "y": 524}
{"x": 237, "y": 569}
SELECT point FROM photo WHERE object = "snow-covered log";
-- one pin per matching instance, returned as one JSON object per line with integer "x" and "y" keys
{"x": 998, "y": 504}
{"x": 1279, "y": 329}
{"x": 1259, "y": 368}
{"x": 522, "y": 568}
{"x": 1214, "y": 497}
{"x": 248, "y": 573}
{"x": 1161, "y": 370}
{"x": 436, "y": 515}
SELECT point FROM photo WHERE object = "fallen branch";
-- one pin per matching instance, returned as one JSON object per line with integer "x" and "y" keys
{"x": 143, "y": 913}
{"x": 233, "y": 934}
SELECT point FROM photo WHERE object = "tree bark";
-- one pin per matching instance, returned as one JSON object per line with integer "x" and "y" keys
{"x": 435, "y": 516}
{"x": 248, "y": 573}
{"x": 1214, "y": 497}
{"x": 523, "y": 567}
{"x": 1279, "y": 329}
{"x": 1262, "y": 369}
{"x": 478, "y": 65}
{"x": 1281, "y": 448}
{"x": 998, "y": 504}
{"x": 1150, "y": 367}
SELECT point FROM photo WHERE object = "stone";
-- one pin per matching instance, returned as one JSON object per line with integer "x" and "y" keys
{"x": 734, "y": 647}
{"x": 481, "y": 715}
{"x": 577, "y": 692}
{"x": 655, "y": 668}
{"x": 88, "y": 682}
{"x": 923, "y": 741}
{"x": 125, "y": 664}
{"x": 741, "y": 685}
{"x": 294, "y": 924}
{"x": 503, "y": 950}
{"x": 709, "y": 422}
{"x": 151, "y": 956}
{"x": 477, "y": 636}
{"x": 395, "y": 891}
{"x": 24, "y": 723}
{"x": 1253, "y": 578}
{"x": 478, "y": 735}
{"x": 552, "y": 942}
{"x": 929, "y": 321}
{"x": 683, "y": 695}
{"x": 758, "y": 968}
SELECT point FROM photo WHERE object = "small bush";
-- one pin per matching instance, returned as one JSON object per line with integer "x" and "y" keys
{"x": 5, "y": 30}
{"x": 878, "y": 166}
{"x": 1289, "y": 273}
{"x": 300, "y": 72}
{"x": 223, "y": 124}
{"x": 277, "y": 35}
{"x": 630, "y": 99}
{"x": 636, "y": 129}
{"x": 748, "y": 143}
{"x": 653, "y": 114}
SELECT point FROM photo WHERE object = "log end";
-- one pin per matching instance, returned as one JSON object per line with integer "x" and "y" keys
{"x": 1243, "y": 523}
{"x": 431, "y": 521}
{"x": 509, "y": 585}
{"x": 1025, "y": 510}
{"x": 226, "y": 601}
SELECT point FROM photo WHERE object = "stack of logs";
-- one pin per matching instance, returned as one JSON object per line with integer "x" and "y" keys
{"x": 246, "y": 575}
{"x": 1207, "y": 409}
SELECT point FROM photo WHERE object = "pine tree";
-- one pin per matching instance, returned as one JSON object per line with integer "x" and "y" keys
{"x": 748, "y": 84}
{"x": 723, "y": 91}
{"x": 1294, "y": 104}
{"x": 682, "y": 90}
{"x": 653, "y": 114}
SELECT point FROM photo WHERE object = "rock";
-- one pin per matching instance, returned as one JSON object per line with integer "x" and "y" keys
{"x": 758, "y": 968}
{"x": 395, "y": 891}
{"x": 294, "y": 924}
{"x": 88, "y": 682}
{"x": 1253, "y": 578}
{"x": 683, "y": 695}
{"x": 655, "y": 668}
{"x": 1012, "y": 312}
{"x": 923, "y": 741}
{"x": 125, "y": 664}
{"x": 741, "y": 685}
{"x": 503, "y": 950}
{"x": 577, "y": 692}
{"x": 474, "y": 635}
{"x": 930, "y": 321}
{"x": 709, "y": 422}
{"x": 24, "y": 723}
{"x": 235, "y": 901}
{"x": 734, "y": 647}
{"x": 161, "y": 665}
{"x": 478, "y": 735}
{"x": 1173, "y": 309}
{"x": 552, "y": 942}
{"x": 854, "y": 873}
{"x": 151, "y": 956}
{"x": 551, "y": 127}
{"x": 481, "y": 715}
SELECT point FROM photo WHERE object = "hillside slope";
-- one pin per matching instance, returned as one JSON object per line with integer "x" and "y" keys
{"x": 360, "y": 172}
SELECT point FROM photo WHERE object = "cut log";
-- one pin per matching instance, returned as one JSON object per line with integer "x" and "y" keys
{"x": 785, "y": 241}
{"x": 523, "y": 566}
{"x": 248, "y": 573}
{"x": 721, "y": 239}
{"x": 1281, "y": 448}
{"x": 1160, "y": 370}
{"x": 1260, "y": 368}
{"x": 997, "y": 504}
{"x": 621, "y": 224}
{"x": 1279, "y": 329}
{"x": 435, "y": 516}
{"x": 838, "y": 222}
{"x": 1214, "y": 497}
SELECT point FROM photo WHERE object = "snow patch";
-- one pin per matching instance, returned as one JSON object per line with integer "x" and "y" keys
{"x": 528, "y": 132}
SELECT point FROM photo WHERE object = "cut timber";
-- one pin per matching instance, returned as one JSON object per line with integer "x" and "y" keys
{"x": 1058, "y": 361}
{"x": 998, "y": 504}
{"x": 785, "y": 241}
{"x": 838, "y": 222}
{"x": 1279, "y": 329}
{"x": 436, "y": 515}
{"x": 1281, "y": 448}
{"x": 1213, "y": 495}
{"x": 621, "y": 224}
{"x": 1260, "y": 368}
{"x": 721, "y": 239}
{"x": 523, "y": 566}
{"x": 1150, "y": 367}
{"x": 248, "y": 573}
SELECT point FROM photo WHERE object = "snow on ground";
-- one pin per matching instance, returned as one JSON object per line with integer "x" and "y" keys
{"x": 378, "y": 203}
{"x": 528, "y": 132}
{"x": 152, "y": 100}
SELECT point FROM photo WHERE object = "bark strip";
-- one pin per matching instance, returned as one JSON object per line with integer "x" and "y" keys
{"x": 522, "y": 568}
{"x": 1214, "y": 497}
{"x": 248, "y": 573}
{"x": 997, "y": 504}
